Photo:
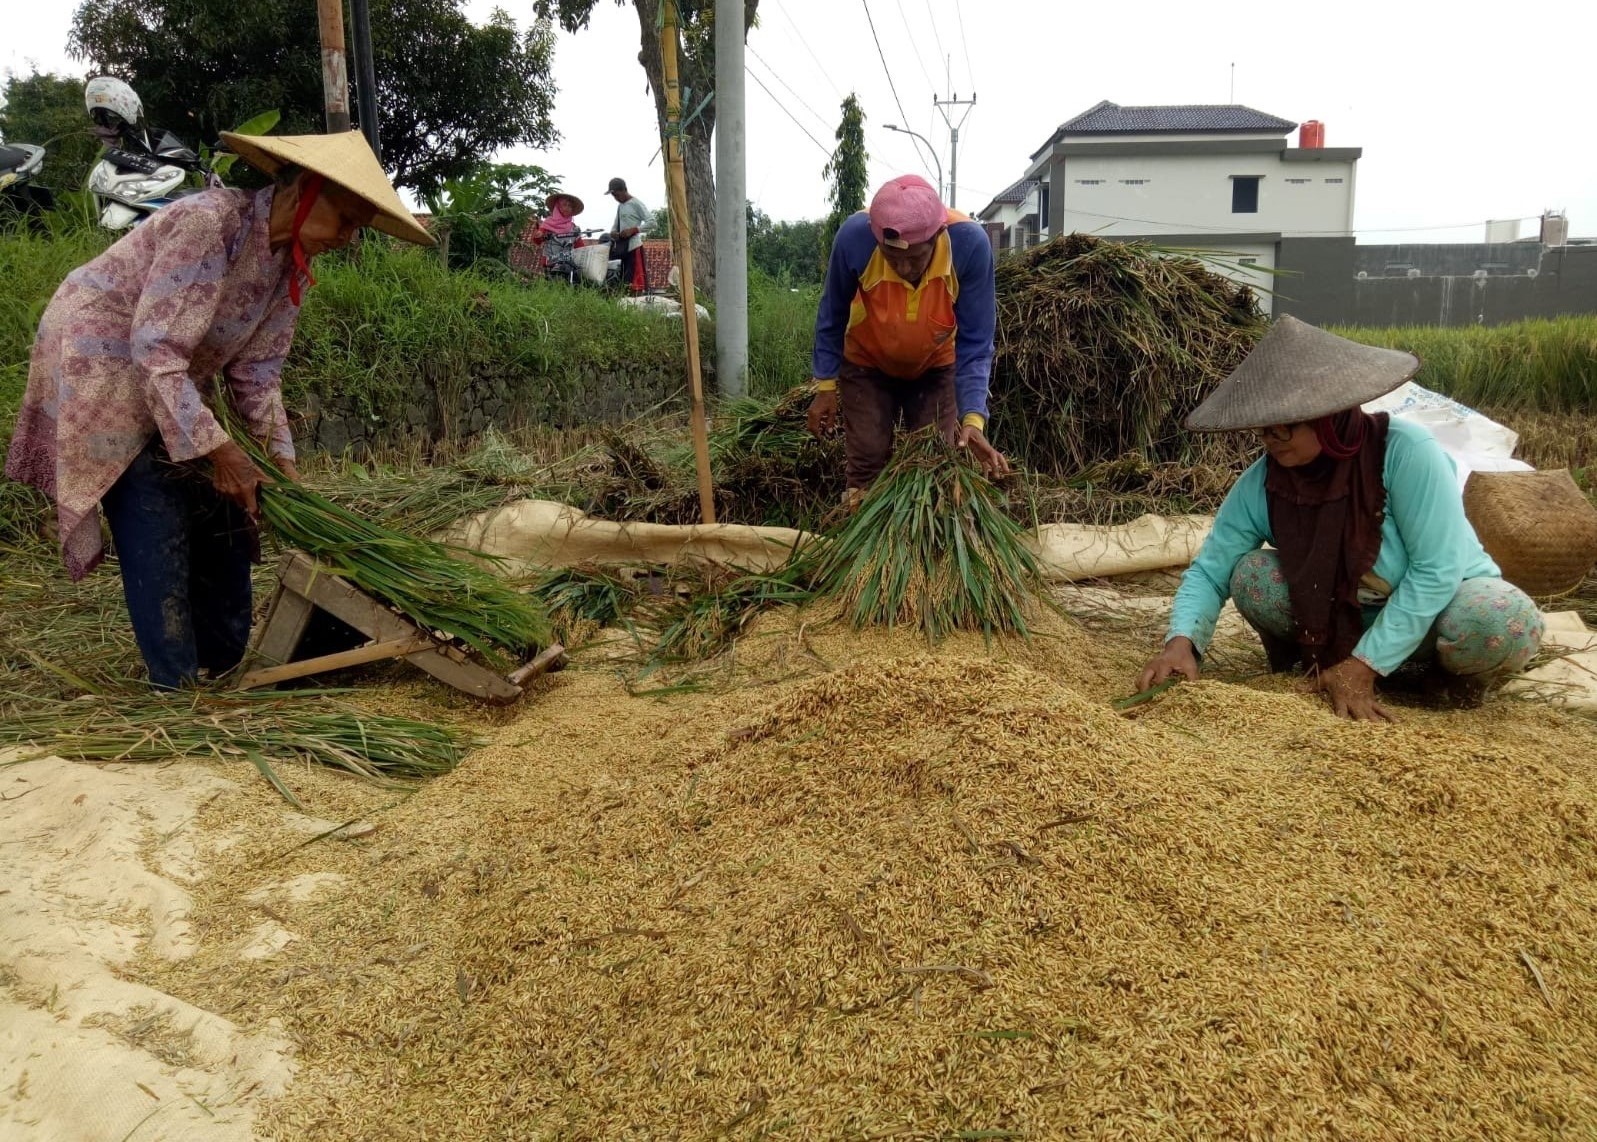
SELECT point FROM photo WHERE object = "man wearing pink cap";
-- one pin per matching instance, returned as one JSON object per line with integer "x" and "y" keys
{"x": 905, "y": 330}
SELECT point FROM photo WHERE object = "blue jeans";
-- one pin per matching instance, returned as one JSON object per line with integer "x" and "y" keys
{"x": 185, "y": 553}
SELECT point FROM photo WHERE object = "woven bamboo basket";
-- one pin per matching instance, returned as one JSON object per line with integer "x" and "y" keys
{"x": 1537, "y": 526}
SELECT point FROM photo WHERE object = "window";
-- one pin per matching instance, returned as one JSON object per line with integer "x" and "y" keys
{"x": 1043, "y": 206}
{"x": 1247, "y": 261}
{"x": 1333, "y": 180}
{"x": 1245, "y": 193}
{"x": 1089, "y": 182}
{"x": 1133, "y": 182}
{"x": 1299, "y": 181}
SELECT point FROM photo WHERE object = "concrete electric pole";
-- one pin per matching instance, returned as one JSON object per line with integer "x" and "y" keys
{"x": 731, "y": 194}
{"x": 953, "y": 138}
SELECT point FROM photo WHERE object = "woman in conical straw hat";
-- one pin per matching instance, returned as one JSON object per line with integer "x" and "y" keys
{"x": 1374, "y": 563}
{"x": 117, "y": 417}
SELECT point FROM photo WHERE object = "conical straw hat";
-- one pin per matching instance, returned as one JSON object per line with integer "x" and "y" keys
{"x": 1300, "y": 372}
{"x": 344, "y": 158}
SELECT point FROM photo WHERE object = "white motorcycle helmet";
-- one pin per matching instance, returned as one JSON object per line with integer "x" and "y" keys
{"x": 106, "y": 96}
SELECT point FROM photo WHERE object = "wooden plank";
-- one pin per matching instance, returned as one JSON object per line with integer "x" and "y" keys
{"x": 371, "y": 652}
{"x": 548, "y": 662}
{"x": 284, "y": 627}
{"x": 344, "y": 600}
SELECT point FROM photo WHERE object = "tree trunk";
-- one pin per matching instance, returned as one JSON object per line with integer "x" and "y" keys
{"x": 697, "y": 77}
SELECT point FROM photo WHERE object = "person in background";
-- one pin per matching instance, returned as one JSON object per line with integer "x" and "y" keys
{"x": 626, "y": 237}
{"x": 118, "y": 412}
{"x": 905, "y": 330}
{"x": 559, "y": 224}
{"x": 1374, "y": 563}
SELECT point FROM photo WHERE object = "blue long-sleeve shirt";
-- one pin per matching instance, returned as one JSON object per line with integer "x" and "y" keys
{"x": 1428, "y": 548}
{"x": 969, "y": 263}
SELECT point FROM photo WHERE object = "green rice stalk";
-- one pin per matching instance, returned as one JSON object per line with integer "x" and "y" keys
{"x": 265, "y": 729}
{"x": 931, "y": 545}
{"x": 419, "y": 577}
{"x": 581, "y": 600}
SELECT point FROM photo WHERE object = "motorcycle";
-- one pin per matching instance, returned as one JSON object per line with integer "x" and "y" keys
{"x": 141, "y": 169}
{"x": 20, "y": 195}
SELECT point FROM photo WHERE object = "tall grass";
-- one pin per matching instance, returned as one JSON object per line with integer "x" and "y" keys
{"x": 1526, "y": 366}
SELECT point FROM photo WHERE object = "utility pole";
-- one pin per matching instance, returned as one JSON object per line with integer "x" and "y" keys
{"x": 942, "y": 105}
{"x": 676, "y": 182}
{"x": 731, "y": 213}
{"x": 360, "y": 28}
{"x": 335, "y": 74}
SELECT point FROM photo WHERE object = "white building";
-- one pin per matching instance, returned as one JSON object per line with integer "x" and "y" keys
{"x": 1222, "y": 179}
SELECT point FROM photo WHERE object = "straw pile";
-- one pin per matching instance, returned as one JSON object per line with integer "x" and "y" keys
{"x": 949, "y": 897}
{"x": 1103, "y": 347}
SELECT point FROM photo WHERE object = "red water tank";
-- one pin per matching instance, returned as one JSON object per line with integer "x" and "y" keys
{"x": 1311, "y": 134}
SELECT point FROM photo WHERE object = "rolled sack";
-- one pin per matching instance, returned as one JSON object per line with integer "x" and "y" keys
{"x": 543, "y": 533}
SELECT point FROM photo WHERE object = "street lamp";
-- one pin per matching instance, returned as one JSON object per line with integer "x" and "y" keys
{"x": 929, "y": 147}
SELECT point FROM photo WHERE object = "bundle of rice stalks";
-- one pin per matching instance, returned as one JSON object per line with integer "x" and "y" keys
{"x": 931, "y": 545}
{"x": 1104, "y": 346}
{"x": 263, "y": 729}
{"x": 582, "y": 600}
{"x": 704, "y": 622}
{"x": 768, "y": 468}
{"x": 419, "y": 577}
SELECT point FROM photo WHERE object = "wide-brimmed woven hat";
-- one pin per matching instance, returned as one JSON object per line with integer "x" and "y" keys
{"x": 1300, "y": 372}
{"x": 345, "y": 158}
{"x": 576, "y": 203}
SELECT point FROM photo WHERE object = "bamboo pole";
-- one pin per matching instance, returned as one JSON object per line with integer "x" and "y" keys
{"x": 335, "y": 74}
{"x": 681, "y": 238}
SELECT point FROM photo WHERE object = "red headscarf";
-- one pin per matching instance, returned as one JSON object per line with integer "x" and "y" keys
{"x": 310, "y": 187}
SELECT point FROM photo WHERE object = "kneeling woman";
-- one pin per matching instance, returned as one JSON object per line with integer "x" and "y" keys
{"x": 1374, "y": 563}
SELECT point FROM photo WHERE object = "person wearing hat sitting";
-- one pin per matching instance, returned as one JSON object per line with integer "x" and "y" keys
{"x": 560, "y": 225}
{"x": 626, "y": 237}
{"x": 905, "y": 330}
{"x": 1374, "y": 564}
{"x": 117, "y": 414}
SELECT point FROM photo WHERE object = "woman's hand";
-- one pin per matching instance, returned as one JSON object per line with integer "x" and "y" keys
{"x": 822, "y": 417}
{"x": 287, "y": 467}
{"x": 1179, "y": 656}
{"x": 1350, "y": 685}
{"x": 993, "y": 464}
{"x": 235, "y": 476}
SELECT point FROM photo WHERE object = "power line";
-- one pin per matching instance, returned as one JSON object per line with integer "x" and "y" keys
{"x": 824, "y": 149}
{"x": 819, "y": 118}
{"x": 909, "y": 34}
{"x": 965, "y": 40}
{"x": 836, "y": 90}
{"x": 936, "y": 35}
{"x": 890, "y": 85}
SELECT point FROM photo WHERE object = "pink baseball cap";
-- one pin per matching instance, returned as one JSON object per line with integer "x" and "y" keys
{"x": 906, "y": 211}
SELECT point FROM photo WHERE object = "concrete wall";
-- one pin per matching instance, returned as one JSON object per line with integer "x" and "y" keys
{"x": 1563, "y": 281}
{"x": 1315, "y": 279}
{"x": 1113, "y": 195}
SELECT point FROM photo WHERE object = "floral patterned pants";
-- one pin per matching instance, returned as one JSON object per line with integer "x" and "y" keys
{"x": 1491, "y": 626}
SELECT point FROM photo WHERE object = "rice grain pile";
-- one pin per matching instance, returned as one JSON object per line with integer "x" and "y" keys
{"x": 950, "y": 897}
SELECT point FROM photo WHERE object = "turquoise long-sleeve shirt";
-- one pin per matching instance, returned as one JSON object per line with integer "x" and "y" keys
{"x": 1428, "y": 548}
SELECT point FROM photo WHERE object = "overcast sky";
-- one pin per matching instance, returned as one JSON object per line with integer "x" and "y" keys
{"x": 1462, "y": 117}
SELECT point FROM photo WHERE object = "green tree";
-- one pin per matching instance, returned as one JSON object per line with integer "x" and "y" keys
{"x": 847, "y": 171}
{"x": 47, "y": 109}
{"x": 481, "y": 216}
{"x": 788, "y": 252}
{"x": 450, "y": 92}
{"x": 696, "y": 77}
